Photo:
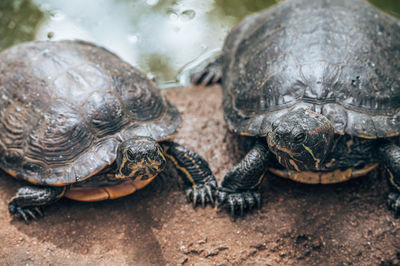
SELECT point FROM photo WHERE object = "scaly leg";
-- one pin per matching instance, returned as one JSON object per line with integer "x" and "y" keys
{"x": 390, "y": 153}
{"x": 239, "y": 188}
{"x": 27, "y": 201}
{"x": 194, "y": 171}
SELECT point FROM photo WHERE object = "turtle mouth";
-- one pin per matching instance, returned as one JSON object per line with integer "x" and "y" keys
{"x": 297, "y": 161}
{"x": 286, "y": 159}
{"x": 140, "y": 171}
{"x": 147, "y": 167}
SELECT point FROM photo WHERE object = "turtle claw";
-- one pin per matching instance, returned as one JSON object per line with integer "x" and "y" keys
{"x": 39, "y": 211}
{"x": 212, "y": 74}
{"x": 222, "y": 196}
{"x": 210, "y": 195}
{"x": 23, "y": 215}
{"x": 394, "y": 203}
{"x": 26, "y": 213}
{"x": 203, "y": 197}
{"x": 195, "y": 197}
{"x": 189, "y": 194}
{"x": 202, "y": 193}
{"x": 238, "y": 202}
{"x": 232, "y": 206}
{"x": 31, "y": 214}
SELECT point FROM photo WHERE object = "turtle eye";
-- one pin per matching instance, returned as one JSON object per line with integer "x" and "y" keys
{"x": 130, "y": 155}
{"x": 299, "y": 137}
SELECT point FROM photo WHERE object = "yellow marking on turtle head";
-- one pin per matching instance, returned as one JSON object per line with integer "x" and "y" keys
{"x": 134, "y": 169}
{"x": 317, "y": 161}
{"x": 280, "y": 159}
{"x": 154, "y": 164}
{"x": 294, "y": 165}
{"x": 330, "y": 163}
{"x": 285, "y": 150}
{"x": 119, "y": 175}
{"x": 161, "y": 155}
{"x": 141, "y": 165}
{"x": 288, "y": 152}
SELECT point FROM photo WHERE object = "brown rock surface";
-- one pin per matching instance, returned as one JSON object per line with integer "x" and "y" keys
{"x": 298, "y": 224}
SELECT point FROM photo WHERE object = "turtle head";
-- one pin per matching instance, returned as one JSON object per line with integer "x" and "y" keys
{"x": 301, "y": 139}
{"x": 140, "y": 159}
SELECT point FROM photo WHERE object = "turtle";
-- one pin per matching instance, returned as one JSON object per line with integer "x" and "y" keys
{"x": 77, "y": 121}
{"x": 314, "y": 89}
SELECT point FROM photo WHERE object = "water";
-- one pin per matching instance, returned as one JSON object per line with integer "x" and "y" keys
{"x": 164, "y": 38}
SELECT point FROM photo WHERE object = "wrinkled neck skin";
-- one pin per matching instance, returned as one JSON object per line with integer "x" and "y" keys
{"x": 301, "y": 140}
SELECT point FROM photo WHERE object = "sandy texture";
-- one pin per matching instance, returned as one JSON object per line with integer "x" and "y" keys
{"x": 298, "y": 224}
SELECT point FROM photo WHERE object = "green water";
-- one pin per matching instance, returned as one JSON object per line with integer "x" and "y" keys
{"x": 163, "y": 38}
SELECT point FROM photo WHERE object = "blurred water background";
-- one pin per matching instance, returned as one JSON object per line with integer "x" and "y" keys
{"x": 164, "y": 38}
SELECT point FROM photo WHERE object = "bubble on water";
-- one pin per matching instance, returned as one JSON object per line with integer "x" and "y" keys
{"x": 187, "y": 15}
{"x": 152, "y": 2}
{"x": 50, "y": 34}
{"x": 132, "y": 38}
{"x": 57, "y": 16}
{"x": 172, "y": 14}
{"x": 151, "y": 76}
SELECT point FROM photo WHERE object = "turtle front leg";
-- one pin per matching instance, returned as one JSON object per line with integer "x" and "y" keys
{"x": 195, "y": 172}
{"x": 239, "y": 190}
{"x": 27, "y": 201}
{"x": 211, "y": 74}
{"x": 390, "y": 153}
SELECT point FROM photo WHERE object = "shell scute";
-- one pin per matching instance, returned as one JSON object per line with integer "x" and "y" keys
{"x": 318, "y": 54}
{"x": 66, "y": 106}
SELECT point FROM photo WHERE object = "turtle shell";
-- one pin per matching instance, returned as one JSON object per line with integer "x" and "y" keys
{"x": 339, "y": 58}
{"x": 66, "y": 106}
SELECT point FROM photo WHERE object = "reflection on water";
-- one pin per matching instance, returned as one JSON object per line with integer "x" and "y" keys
{"x": 161, "y": 37}
{"x": 18, "y": 21}
{"x": 390, "y": 6}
